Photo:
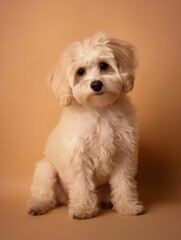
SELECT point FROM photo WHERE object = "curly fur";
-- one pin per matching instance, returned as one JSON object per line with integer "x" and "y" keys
{"x": 91, "y": 155}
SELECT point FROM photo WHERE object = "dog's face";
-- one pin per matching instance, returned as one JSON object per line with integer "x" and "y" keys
{"x": 96, "y": 72}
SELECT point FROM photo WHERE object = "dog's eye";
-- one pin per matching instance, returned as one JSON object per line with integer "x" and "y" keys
{"x": 103, "y": 66}
{"x": 81, "y": 71}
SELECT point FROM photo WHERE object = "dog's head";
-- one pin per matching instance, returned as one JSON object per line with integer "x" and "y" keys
{"x": 95, "y": 72}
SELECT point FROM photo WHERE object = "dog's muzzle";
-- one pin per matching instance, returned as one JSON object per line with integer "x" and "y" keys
{"x": 96, "y": 86}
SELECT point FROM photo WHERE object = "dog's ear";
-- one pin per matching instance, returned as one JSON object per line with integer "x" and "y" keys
{"x": 58, "y": 80}
{"x": 127, "y": 61}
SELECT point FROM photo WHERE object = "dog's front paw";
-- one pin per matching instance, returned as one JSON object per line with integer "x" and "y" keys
{"x": 130, "y": 210}
{"x": 83, "y": 212}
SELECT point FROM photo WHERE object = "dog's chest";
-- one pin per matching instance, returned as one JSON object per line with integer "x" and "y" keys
{"x": 99, "y": 146}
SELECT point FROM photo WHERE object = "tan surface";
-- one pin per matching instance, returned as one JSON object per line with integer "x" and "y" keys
{"x": 33, "y": 34}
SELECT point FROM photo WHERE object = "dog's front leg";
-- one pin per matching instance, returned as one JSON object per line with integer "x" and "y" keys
{"x": 82, "y": 196}
{"x": 123, "y": 187}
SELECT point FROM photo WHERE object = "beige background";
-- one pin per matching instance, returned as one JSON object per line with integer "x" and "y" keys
{"x": 33, "y": 33}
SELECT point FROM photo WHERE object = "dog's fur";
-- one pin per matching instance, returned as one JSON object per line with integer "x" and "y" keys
{"x": 91, "y": 155}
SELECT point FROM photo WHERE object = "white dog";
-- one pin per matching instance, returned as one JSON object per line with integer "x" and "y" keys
{"x": 91, "y": 156}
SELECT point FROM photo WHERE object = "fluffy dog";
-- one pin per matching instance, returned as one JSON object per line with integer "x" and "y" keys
{"x": 91, "y": 155}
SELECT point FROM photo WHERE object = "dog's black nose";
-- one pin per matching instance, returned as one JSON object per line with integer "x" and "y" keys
{"x": 96, "y": 85}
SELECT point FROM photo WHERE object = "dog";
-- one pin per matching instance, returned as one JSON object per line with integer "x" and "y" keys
{"x": 91, "y": 156}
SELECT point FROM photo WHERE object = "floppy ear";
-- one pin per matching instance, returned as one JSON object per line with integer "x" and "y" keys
{"x": 126, "y": 58}
{"x": 59, "y": 83}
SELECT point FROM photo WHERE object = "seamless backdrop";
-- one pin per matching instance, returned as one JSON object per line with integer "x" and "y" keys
{"x": 34, "y": 33}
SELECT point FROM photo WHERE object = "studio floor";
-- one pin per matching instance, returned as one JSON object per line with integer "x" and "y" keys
{"x": 162, "y": 220}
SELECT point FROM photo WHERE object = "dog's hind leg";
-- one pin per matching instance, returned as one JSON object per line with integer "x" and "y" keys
{"x": 104, "y": 197}
{"x": 42, "y": 189}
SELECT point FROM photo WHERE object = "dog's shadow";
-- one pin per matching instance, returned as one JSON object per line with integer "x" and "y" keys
{"x": 155, "y": 179}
